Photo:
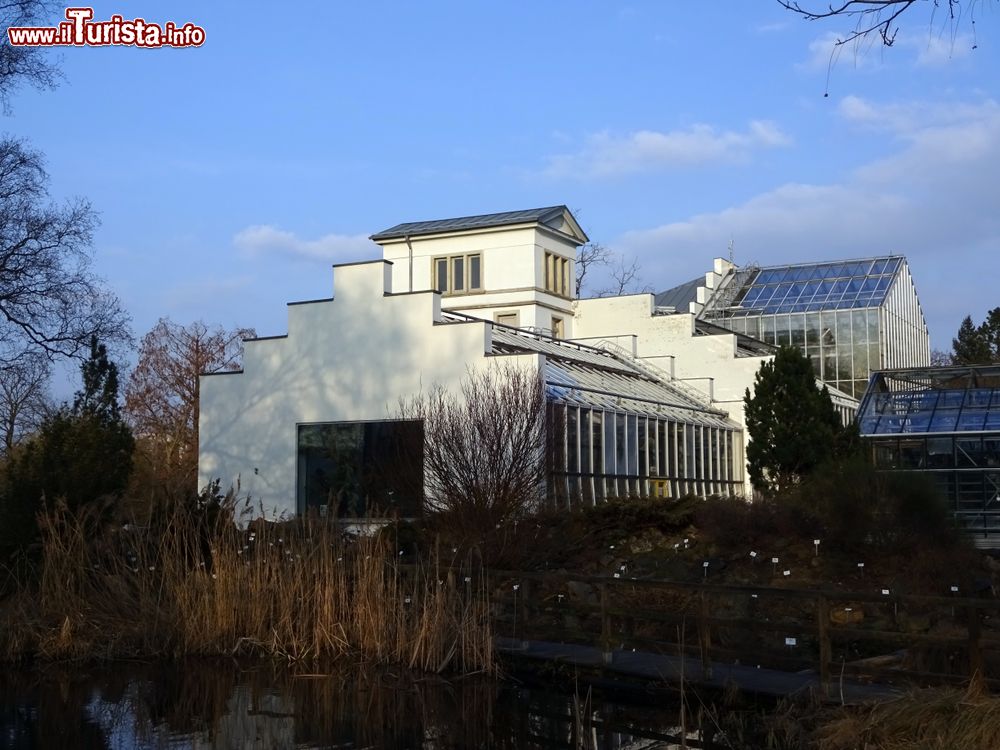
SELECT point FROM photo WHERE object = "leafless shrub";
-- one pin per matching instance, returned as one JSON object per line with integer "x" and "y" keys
{"x": 484, "y": 457}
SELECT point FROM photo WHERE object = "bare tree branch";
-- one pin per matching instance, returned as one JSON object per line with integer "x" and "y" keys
{"x": 162, "y": 397}
{"x": 625, "y": 278}
{"x": 590, "y": 256}
{"x": 24, "y": 401}
{"x": 484, "y": 457}
{"x": 876, "y": 17}
{"x": 31, "y": 65}
{"x": 49, "y": 297}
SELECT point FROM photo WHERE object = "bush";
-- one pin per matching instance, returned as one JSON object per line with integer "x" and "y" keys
{"x": 858, "y": 505}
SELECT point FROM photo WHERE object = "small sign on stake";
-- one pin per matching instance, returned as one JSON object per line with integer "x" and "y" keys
{"x": 787, "y": 573}
{"x": 816, "y": 545}
{"x": 789, "y": 642}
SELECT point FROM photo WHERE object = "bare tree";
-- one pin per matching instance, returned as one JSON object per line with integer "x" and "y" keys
{"x": 878, "y": 18}
{"x": 162, "y": 398}
{"x": 484, "y": 450}
{"x": 625, "y": 279}
{"x": 24, "y": 400}
{"x": 49, "y": 298}
{"x": 31, "y": 65}
{"x": 941, "y": 358}
{"x": 590, "y": 256}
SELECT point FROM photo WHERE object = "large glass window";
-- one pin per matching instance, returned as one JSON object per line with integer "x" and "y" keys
{"x": 355, "y": 469}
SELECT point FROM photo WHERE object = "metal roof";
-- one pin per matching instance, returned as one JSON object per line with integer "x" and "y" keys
{"x": 586, "y": 376}
{"x": 680, "y": 296}
{"x": 481, "y": 221}
{"x": 932, "y": 399}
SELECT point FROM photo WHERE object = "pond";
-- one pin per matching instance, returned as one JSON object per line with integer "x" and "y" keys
{"x": 223, "y": 704}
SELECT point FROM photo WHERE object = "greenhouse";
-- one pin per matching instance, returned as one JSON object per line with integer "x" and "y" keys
{"x": 849, "y": 317}
{"x": 944, "y": 421}
{"x": 618, "y": 430}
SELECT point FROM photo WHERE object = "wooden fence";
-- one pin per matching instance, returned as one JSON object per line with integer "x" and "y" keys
{"x": 816, "y": 624}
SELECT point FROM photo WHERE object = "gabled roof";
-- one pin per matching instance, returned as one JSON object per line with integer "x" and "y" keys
{"x": 558, "y": 218}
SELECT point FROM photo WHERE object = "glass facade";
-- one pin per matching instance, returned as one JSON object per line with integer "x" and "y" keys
{"x": 944, "y": 421}
{"x": 842, "y": 344}
{"x": 597, "y": 454}
{"x": 355, "y": 469}
{"x": 617, "y": 429}
{"x": 850, "y": 318}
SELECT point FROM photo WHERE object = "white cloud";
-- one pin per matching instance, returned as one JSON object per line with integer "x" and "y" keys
{"x": 606, "y": 155}
{"x": 936, "y": 49}
{"x": 827, "y": 52}
{"x": 915, "y": 118}
{"x": 922, "y": 48}
{"x": 934, "y": 200}
{"x": 264, "y": 239}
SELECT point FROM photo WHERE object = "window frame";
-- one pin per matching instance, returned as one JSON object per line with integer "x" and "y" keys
{"x": 465, "y": 260}
{"x": 558, "y": 275}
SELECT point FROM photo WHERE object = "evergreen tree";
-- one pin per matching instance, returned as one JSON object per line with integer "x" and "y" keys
{"x": 80, "y": 455}
{"x": 792, "y": 425}
{"x": 99, "y": 396}
{"x": 972, "y": 345}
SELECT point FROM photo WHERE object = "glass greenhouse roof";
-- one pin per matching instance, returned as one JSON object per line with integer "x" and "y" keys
{"x": 942, "y": 399}
{"x": 817, "y": 286}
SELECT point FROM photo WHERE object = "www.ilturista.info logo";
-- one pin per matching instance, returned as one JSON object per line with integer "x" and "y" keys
{"x": 80, "y": 30}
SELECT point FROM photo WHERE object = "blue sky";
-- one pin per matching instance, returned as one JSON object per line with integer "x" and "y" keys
{"x": 229, "y": 177}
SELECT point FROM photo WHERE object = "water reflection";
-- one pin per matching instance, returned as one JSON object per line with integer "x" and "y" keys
{"x": 224, "y": 705}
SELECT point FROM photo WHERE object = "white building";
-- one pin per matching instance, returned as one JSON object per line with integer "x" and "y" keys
{"x": 311, "y": 419}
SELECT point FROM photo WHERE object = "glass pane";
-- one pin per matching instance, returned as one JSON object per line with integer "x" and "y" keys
{"x": 969, "y": 452}
{"x": 939, "y": 453}
{"x": 911, "y": 454}
{"x": 442, "y": 275}
{"x": 458, "y": 273}
{"x": 475, "y": 280}
{"x": 597, "y": 433}
{"x": 609, "y": 443}
{"x": 349, "y": 469}
{"x": 620, "y": 454}
{"x": 632, "y": 444}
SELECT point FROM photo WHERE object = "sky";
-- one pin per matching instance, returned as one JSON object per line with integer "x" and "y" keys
{"x": 229, "y": 177}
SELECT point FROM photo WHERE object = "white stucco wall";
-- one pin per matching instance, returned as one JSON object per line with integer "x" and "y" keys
{"x": 346, "y": 359}
{"x": 513, "y": 269}
{"x": 708, "y": 363}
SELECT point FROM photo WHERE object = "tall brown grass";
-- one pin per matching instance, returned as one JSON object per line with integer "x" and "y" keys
{"x": 195, "y": 583}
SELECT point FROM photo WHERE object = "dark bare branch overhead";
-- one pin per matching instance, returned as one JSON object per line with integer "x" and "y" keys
{"x": 50, "y": 299}
{"x": 881, "y": 17}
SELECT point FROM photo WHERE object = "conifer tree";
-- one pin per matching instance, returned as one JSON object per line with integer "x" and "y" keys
{"x": 792, "y": 424}
{"x": 972, "y": 346}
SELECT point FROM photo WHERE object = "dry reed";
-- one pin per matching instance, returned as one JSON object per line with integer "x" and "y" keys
{"x": 932, "y": 719}
{"x": 195, "y": 583}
